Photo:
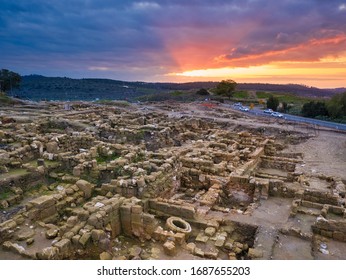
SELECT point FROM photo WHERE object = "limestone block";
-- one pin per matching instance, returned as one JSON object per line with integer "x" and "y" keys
{"x": 211, "y": 253}
{"x": 30, "y": 241}
{"x": 135, "y": 251}
{"x": 141, "y": 182}
{"x": 265, "y": 191}
{"x": 97, "y": 235}
{"x": 199, "y": 252}
{"x": 136, "y": 218}
{"x": 86, "y": 187}
{"x": 24, "y": 234}
{"x": 148, "y": 219}
{"x": 43, "y": 202}
{"x": 337, "y": 235}
{"x": 187, "y": 212}
{"x": 33, "y": 214}
{"x": 75, "y": 239}
{"x": 8, "y": 225}
{"x": 61, "y": 205}
{"x": 105, "y": 256}
{"x": 137, "y": 229}
{"x": 77, "y": 171}
{"x": 52, "y": 233}
{"x": 14, "y": 199}
{"x": 180, "y": 238}
{"x": 47, "y": 212}
{"x": 136, "y": 209}
{"x": 191, "y": 247}
{"x": 125, "y": 218}
{"x": 19, "y": 219}
{"x": 115, "y": 224}
{"x": 4, "y": 204}
{"x": 72, "y": 221}
{"x": 52, "y": 147}
{"x": 169, "y": 248}
{"x": 232, "y": 256}
{"x": 14, "y": 247}
{"x": 48, "y": 253}
{"x": 327, "y": 233}
{"x": 69, "y": 191}
{"x": 255, "y": 253}
{"x": 201, "y": 237}
{"x": 78, "y": 227}
{"x": 220, "y": 241}
{"x": 64, "y": 246}
{"x": 93, "y": 220}
{"x": 85, "y": 239}
{"x": 210, "y": 231}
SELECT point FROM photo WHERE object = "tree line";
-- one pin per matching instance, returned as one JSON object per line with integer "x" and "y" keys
{"x": 335, "y": 108}
{"x": 9, "y": 80}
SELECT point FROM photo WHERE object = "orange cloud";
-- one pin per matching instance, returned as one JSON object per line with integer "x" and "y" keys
{"x": 313, "y": 50}
{"x": 319, "y": 62}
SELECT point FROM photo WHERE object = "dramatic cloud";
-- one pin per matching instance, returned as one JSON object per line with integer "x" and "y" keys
{"x": 152, "y": 40}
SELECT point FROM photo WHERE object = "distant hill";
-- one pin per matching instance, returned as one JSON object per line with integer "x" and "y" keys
{"x": 36, "y": 87}
{"x": 290, "y": 88}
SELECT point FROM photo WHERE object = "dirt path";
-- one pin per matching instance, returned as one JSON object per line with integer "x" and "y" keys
{"x": 325, "y": 153}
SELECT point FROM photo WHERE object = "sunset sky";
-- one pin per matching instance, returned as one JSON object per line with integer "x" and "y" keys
{"x": 272, "y": 41}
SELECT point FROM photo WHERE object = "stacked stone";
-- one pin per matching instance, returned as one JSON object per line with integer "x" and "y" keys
{"x": 49, "y": 206}
{"x": 14, "y": 198}
{"x": 135, "y": 222}
{"x": 92, "y": 225}
{"x": 41, "y": 208}
{"x": 286, "y": 164}
{"x": 76, "y": 141}
{"x": 322, "y": 197}
{"x": 21, "y": 154}
{"x": 280, "y": 189}
{"x": 172, "y": 208}
{"x": 194, "y": 179}
{"x": 330, "y": 228}
{"x": 211, "y": 197}
{"x": 261, "y": 187}
{"x": 69, "y": 195}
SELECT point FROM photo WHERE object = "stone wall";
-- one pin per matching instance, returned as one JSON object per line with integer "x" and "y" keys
{"x": 278, "y": 163}
{"x": 164, "y": 207}
{"x": 278, "y": 188}
{"x": 322, "y": 197}
{"x": 24, "y": 181}
{"x": 89, "y": 228}
{"x": 135, "y": 222}
{"x": 330, "y": 228}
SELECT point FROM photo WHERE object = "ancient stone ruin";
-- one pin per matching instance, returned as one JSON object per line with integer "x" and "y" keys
{"x": 151, "y": 183}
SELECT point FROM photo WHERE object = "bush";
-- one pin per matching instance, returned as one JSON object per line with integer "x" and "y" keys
{"x": 202, "y": 91}
{"x": 336, "y": 106}
{"x": 272, "y": 103}
{"x": 313, "y": 109}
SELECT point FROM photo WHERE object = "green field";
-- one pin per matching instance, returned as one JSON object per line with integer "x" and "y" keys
{"x": 286, "y": 97}
{"x": 241, "y": 94}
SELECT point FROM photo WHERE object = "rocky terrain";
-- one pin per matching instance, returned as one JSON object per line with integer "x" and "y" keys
{"x": 167, "y": 181}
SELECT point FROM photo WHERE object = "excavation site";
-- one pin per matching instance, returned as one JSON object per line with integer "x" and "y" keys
{"x": 168, "y": 180}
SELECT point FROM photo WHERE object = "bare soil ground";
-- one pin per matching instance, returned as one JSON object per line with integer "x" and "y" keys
{"x": 324, "y": 153}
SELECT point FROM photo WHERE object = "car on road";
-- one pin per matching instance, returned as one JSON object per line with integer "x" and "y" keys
{"x": 237, "y": 104}
{"x": 244, "y": 109}
{"x": 277, "y": 115}
{"x": 268, "y": 111}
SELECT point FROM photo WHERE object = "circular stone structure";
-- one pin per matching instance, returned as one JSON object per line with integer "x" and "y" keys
{"x": 178, "y": 224}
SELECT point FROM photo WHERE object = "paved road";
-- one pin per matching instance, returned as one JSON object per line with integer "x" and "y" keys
{"x": 259, "y": 112}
